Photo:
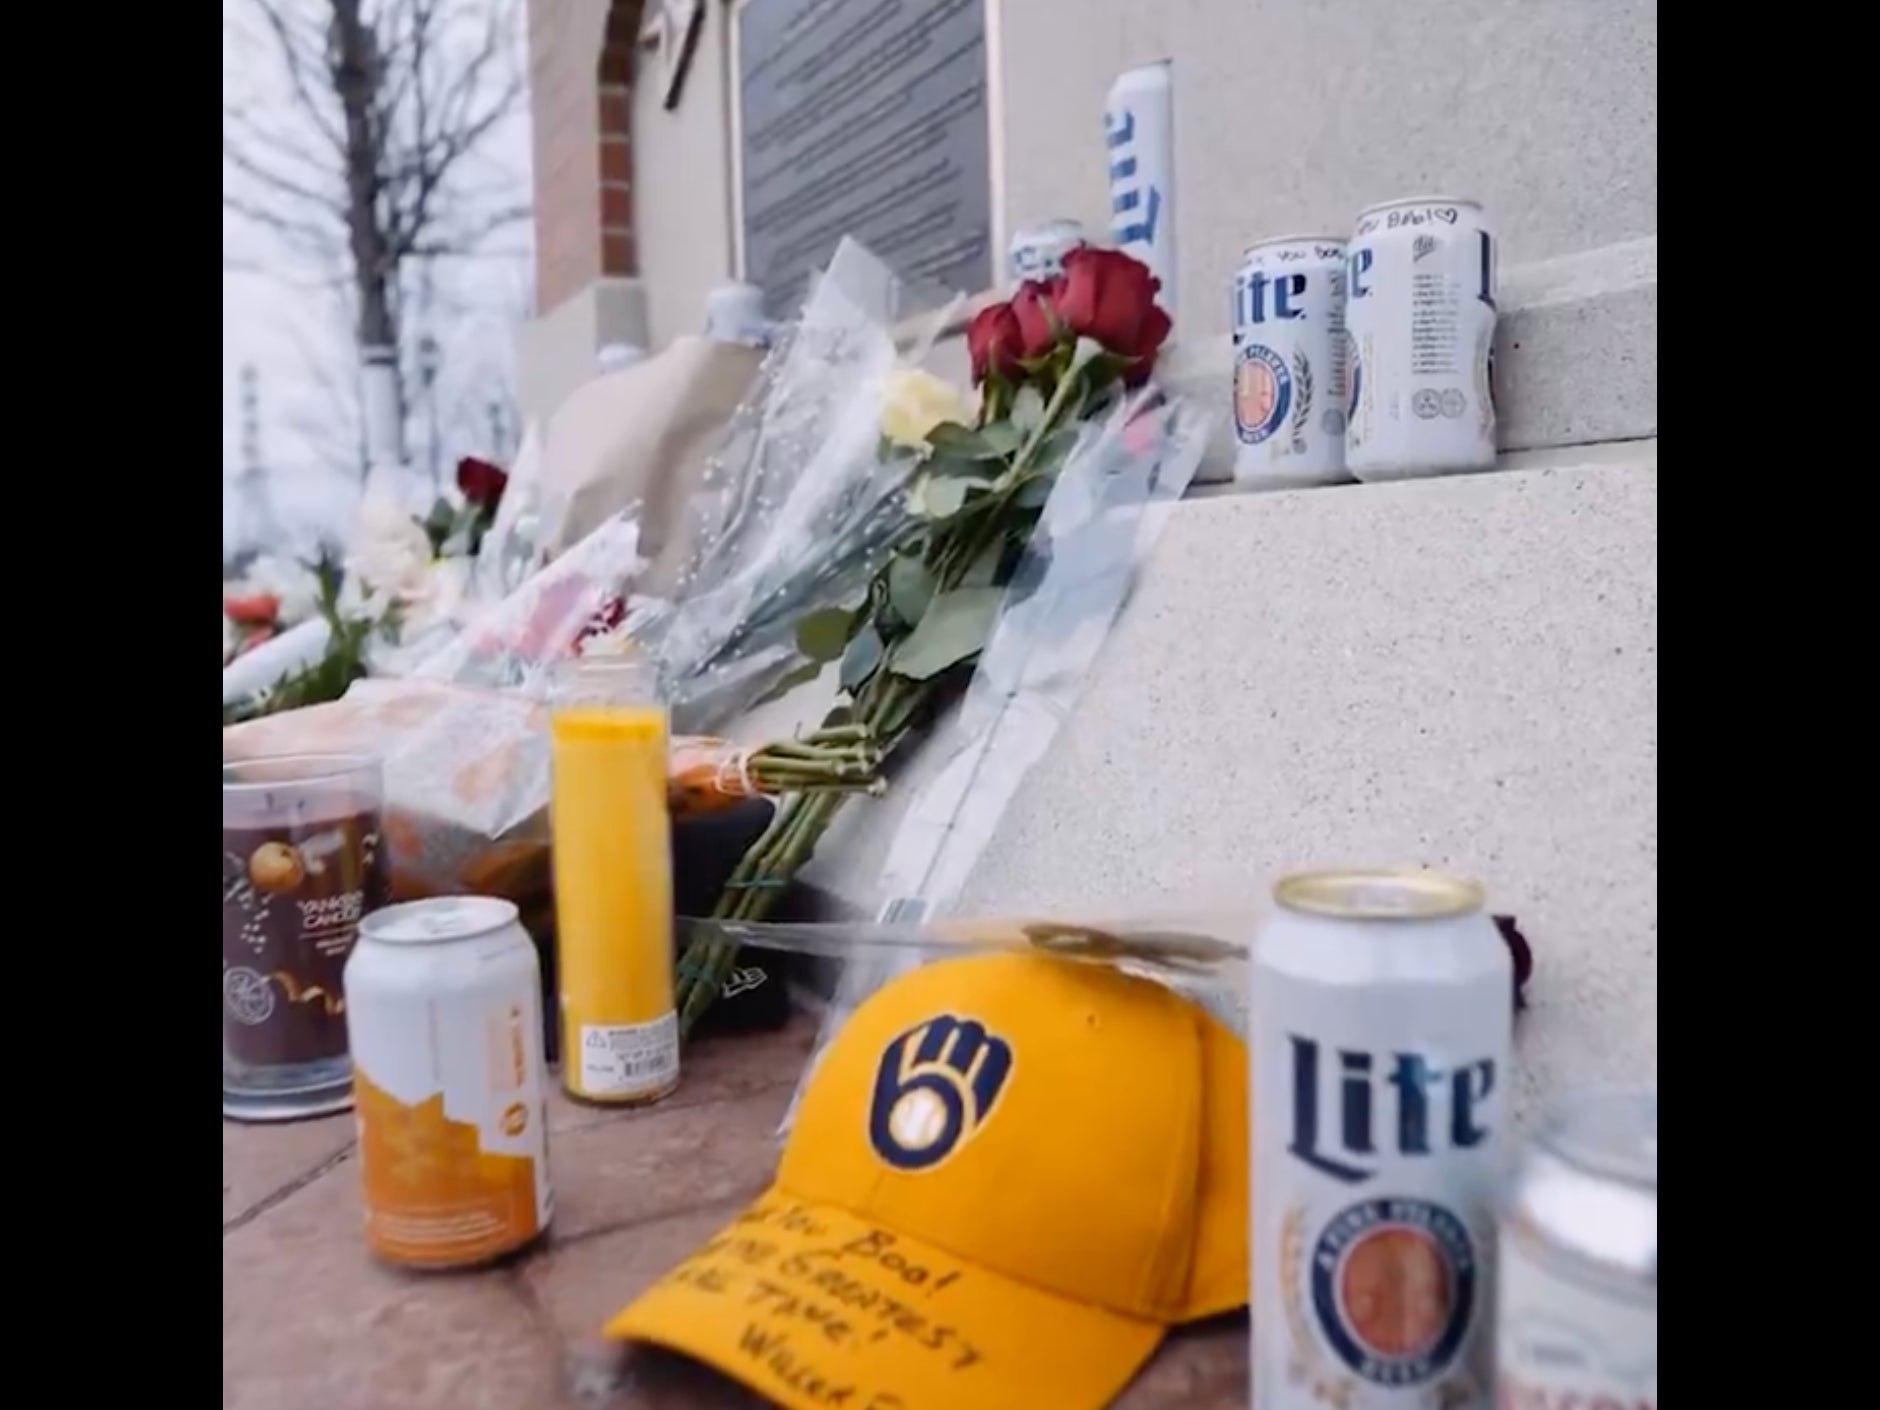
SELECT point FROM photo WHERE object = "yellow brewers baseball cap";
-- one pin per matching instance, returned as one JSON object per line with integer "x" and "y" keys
{"x": 1008, "y": 1177}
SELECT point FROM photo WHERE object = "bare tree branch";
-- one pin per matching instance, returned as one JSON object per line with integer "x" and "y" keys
{"x": 270, "y": 175}
{"x": 294, "y": 44}
{"x": 377, "y": 168}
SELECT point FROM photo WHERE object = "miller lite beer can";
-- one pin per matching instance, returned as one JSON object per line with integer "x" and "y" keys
{"x": 1289, "y": 362}
{"x": 1577, "y": 1295}
{"x": 1038, "y": 251}
{"x": 1380, "y": 1036}
{"x": 1139, "y": 139}
{"x": 1420, "y": 314}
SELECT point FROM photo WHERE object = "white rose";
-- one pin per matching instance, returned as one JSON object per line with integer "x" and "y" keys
{"x": 389, "y": 553}
{"x": 913, "y": 402}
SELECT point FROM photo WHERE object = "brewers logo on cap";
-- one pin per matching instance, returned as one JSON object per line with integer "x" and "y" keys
{"x": 935, "y": 1085}
{"x": 1263, "y": 389}
{"x": 1393, "y": 1285}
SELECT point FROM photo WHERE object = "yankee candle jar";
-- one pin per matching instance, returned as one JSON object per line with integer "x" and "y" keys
{"x": 303, "y": 861}
{"x": 612, "y": 847}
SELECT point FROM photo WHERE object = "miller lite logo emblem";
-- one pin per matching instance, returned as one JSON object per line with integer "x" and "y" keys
{"x": 1392, "y": 1286}
{"x": 1263, "y": 391}
{"x": 1390, "y": 1281}
{"x": 936, "y": 1085}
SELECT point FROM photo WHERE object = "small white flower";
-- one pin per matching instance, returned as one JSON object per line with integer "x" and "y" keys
{"x": 390, "y": 553}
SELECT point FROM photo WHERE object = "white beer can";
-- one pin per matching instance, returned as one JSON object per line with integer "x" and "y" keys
{"x": 1038, "y": 251}
{"x": 444, "y": 1017}
{"x": 1420, "y": 314}
{"x": 1577, "y": 1297}
{"x": 1139, "y": 134}
{"x": 1289, "y": 363}
{"x": 1380, "y": 1029}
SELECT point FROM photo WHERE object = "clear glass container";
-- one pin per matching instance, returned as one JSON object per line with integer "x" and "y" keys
{"x": 303, "y": 861}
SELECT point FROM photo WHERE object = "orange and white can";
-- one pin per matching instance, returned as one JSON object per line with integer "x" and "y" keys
{"x": 449, "y": 1092}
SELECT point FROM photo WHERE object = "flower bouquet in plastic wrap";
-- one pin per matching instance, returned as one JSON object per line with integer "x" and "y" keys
{"x": 1032, "y": 510}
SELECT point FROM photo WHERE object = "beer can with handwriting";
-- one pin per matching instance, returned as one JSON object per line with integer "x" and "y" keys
{"x": 1380, "y": 1038}
{"x": 1038, "y": 250}
{"x": 444, "y": 1015}
{"x": 1289, "y": 362}
{"x": 1577, "y": 1296}
{"x": 1420, "y": 315}
{"x": 1139, "y": 138}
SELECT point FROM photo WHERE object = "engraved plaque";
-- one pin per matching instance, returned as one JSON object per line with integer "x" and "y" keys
{"x": 864, "y": 118}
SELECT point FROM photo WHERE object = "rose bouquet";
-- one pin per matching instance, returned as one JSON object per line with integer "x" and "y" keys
{"x": 1055, "y": 357}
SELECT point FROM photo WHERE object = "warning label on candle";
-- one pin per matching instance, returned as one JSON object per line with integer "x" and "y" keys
{"x": 623, "y": 1060}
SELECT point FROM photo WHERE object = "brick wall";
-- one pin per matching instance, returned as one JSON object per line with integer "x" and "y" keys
{"x": 581, "y": 57}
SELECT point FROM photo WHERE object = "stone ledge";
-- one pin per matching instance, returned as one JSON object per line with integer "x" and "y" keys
{"x": 1576, "y": 356}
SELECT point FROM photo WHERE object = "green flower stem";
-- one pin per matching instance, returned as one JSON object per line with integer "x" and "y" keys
{"x": 797, "y": 754}
{"x": 1047, "y": 423}
{"x": 784, "y": 849}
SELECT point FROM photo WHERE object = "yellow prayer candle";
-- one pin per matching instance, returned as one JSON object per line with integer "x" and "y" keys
{"x": 613, "y": 898}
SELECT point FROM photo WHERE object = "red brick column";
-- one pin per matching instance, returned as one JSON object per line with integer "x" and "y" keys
{"x": 581, "y": 58}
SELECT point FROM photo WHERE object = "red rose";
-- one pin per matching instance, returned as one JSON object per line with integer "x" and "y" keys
{"x": 992, "y": 340}
{"x": 1110, "y": 297}
{"x": 255, "y": 609}
{"x": 1034, "y": 306}
{"x": 1522, "y": 954}
{"x": 481, "y": 482}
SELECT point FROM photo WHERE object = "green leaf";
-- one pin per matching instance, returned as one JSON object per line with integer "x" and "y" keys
{"x": 959, "y": 443}
{"x": 862, "y": 658}
{"x": 910, "y": 588}
{"x": 823, "y": 634}
{"x": 953, "y": 467}
{"x": 800, "y": 674}
{"x": 940, "y": 498}
{"x": 1002, "y": 436}
{"x": 954, "y": 627}
{"x": 1027, "y": 409}
{"x": 437, "y": 525}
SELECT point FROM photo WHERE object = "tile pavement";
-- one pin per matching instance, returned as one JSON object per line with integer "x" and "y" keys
{"x": 309, "y": 1322}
